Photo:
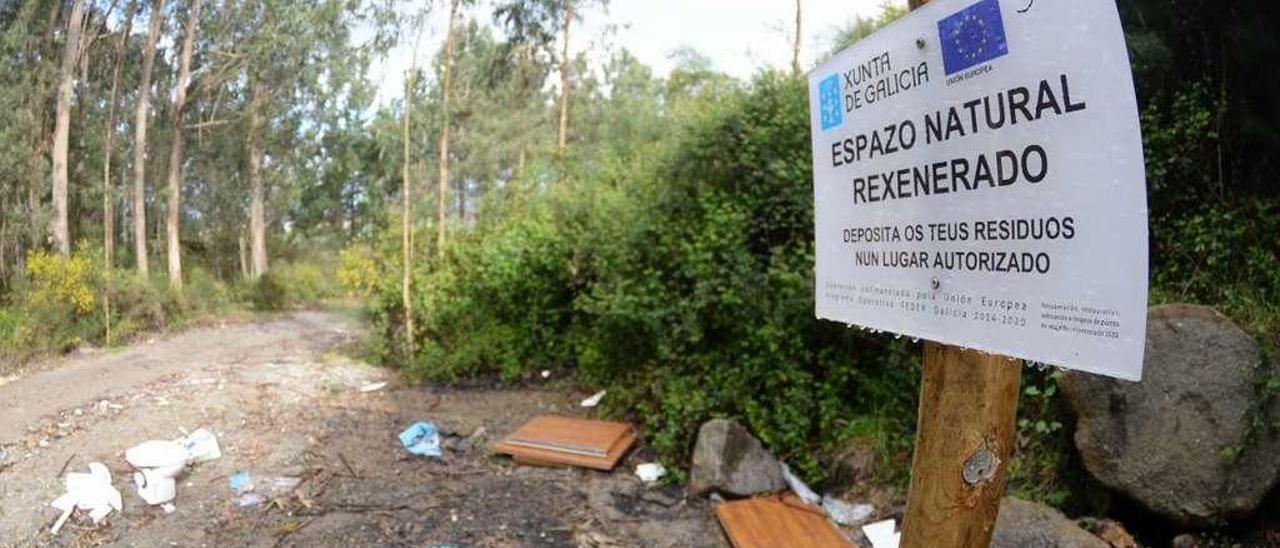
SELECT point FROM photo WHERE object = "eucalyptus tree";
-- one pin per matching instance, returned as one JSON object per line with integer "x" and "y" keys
{"x": 442, "y": 161}
{"x": 536, "y": 23}
{"x": 173, "y": 217}
{"x": 142, "y": 102}
{"x": 292, "y": 72}
{"x": 28, "y": 73}
{"x": 108, "y": 189}
{"x": 71, "y": 55}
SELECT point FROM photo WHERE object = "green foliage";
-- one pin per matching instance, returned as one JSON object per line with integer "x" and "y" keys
{"x": 267, "y": 294}
{"x": 862, "y": 27}
{"x": 206, "y": 295}
{"x": 1040, "y": 467}
{"x": 305, "y": 282}
{"x": 681, "y": 279}
{"x": 10, "y": 324}
{"x": 358, "y": 271}
{"x": 138, "y": 305}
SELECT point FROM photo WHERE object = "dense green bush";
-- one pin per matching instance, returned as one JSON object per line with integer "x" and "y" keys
{"x": 683, "y": 284}
{"x": 306, "y": 282}
{"x": 267, "y": 294}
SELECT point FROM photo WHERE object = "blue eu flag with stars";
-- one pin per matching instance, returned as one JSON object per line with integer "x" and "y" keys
{"x": 972, "y": 36}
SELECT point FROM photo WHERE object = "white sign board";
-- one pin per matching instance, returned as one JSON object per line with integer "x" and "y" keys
{"x": 979, "y": 181}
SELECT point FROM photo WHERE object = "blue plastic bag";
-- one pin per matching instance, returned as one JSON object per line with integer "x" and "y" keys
{"x": 422, "y": 439}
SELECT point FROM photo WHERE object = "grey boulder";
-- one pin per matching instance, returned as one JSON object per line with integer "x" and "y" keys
{"x": 1023, "y": 524}
{"x": 1176, "y": 442}
{"x": 729, "y": 460}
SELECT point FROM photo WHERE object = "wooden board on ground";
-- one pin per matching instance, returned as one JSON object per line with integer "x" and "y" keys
{"x": 778, "y": 521}
{"x": 552, "y": 440}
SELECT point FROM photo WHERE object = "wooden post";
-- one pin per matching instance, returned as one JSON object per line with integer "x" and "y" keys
{"x": 964, "y": 440}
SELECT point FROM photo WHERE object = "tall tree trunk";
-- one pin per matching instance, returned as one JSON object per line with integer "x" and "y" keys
{"x": 174, "y": 217}
{"x": 406, "y": 214}
{"x": 795, "y": 48}
{"x": 62, "y": 128}
{"x": 140, "y": 138}
{"x": 244, "y": 255}
{"x": 108, "y": 189}
{"x": 33, "y": 208}
{"x": 257, "y": 206}
{"x": 562, "y": 136}
{"x": 443, "y": 161}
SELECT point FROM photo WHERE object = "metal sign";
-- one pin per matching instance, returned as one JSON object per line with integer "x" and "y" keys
{"x": 979, "y": 181}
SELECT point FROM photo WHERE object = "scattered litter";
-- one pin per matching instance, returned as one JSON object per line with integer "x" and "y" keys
{"x": 373, "y": 387}
{"x": 844, "y": 513}
{"x": 594, "y": 400}
{"x": 780, "y": 520}
{"x": 474, "y": 439}
{"x": 169, "y": 508}
{"x": 882, "y": 534}
{"x": 201, "y": 446}
{"x": 283, "y": 484}
{"x": 92, "y": 491}
{"x": 650, "y": 472}
{"x": 422, "y": 439}
{"x": 242, "y": 491}
{"x": 552, "y": 440}
{"x": 546, "y": 373}
{"x": 839, "y": 511}
{"x": 248, "y": 500}
{"x": 158, "y": 463}
{"x": 797, "y": 485}
{"x": 240, "y": 482}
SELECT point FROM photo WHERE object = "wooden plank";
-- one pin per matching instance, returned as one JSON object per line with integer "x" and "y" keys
{"x": 543, "y": 438}
{"x": 778, "y": 521}
{"x": 964, "y": 439}
{"x": 588, "y": 437}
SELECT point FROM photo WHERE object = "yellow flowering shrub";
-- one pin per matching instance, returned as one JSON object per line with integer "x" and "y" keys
{"x": 358, "y": 271}
{"x": 58, "y": 281}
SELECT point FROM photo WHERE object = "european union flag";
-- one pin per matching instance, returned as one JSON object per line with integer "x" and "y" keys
{"x": 832, "y": 109}
{"x": 972, "y": 36}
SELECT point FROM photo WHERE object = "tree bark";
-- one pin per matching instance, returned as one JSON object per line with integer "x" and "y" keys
{"x": 108, "y": 189}
{"x": 443, "y": 162}
{"x": 244, "y": 254}
{"x": 140, "y": 138}
{"x": 257, "y": 206}
{"x": 795, "y": 48}
{"x": 562, "y": 136}
{"x": 174, "y": 217}
{"x": 62, "y": 128}
{"x": 406, "y": 214}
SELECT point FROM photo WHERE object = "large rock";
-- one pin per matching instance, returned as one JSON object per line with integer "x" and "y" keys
{"x": 728, "y": 459}
{"x": 1023, "y": 524}
{"x": 1164, "y": 441}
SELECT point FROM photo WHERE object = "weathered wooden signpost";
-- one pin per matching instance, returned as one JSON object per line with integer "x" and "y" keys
{"x": 979, "y": 183}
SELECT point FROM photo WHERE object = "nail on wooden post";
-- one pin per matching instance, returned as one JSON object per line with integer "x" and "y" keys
{"x": 964, "y": 439}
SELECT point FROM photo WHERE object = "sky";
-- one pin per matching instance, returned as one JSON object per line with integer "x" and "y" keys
{"x": 739, "y": 36}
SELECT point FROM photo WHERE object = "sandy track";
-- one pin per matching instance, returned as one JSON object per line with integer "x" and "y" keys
{"x": 284, "y": 403}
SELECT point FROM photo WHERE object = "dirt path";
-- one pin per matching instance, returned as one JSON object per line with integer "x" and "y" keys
{"x": 285, "y": 403}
